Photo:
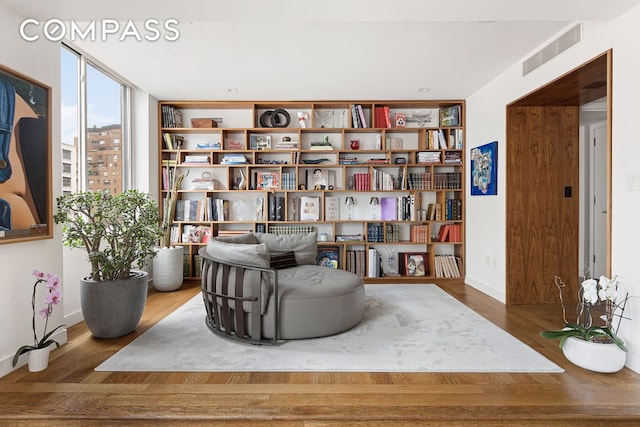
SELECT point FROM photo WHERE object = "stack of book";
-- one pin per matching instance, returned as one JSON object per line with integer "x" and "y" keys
{"x": 321, "y": 145}
{"x": 453, "y": 157}
{"x": 287, "y": 145}
{"x": 233, "y": 159}
{"x": 196, "y": 159}
{"x": 348, "y": 160}
{"x": 427, "y": 157}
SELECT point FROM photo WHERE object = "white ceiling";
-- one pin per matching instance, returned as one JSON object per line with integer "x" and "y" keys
{"x": 330, "y": 49}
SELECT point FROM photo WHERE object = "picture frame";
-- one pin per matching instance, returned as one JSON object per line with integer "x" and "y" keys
{"x": 260, "y": 142}
{"x": 484, "y": 170}
{"x": 414, "y": 264}
{"x": 26, "y": 211}
{"x": 267, "y": 180}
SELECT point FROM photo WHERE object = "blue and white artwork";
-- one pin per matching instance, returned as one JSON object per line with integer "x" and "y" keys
{"x": 484, "y": 170}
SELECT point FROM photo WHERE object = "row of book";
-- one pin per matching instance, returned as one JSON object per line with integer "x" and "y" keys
{"x": 382, "y": 180}
{"x": 374, "y": 268}
{"x": 452, "y": 211}
{"x": 447, "y": 266}
{"x": 389, "y": 233}
{"x": 450, "y": 233}
{"x": 419, "y": 233}
{"x": 171, "y": 117}
{"x": 355, "y": 260}
{"x": 207, "y": 209}
{"x": 172, "y": 142}
{"x": 290, "y": 229}
{"x": 358, "y": 116}
{"x": 276, "y": 208}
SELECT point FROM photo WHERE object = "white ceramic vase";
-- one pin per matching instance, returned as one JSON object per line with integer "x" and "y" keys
{"x": 39, "y": 359}
{"x": 167, "y": 268}
{"x": 597, "y": 357}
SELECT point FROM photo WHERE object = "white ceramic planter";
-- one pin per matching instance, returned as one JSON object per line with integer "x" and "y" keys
{"x": 39, "y": 359}
{"x": 593, "y": 356}
{"x": 167, "y": 268}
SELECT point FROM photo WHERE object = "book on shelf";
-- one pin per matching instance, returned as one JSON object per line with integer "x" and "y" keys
{"x": 227, "y": 233}
{"x": 234, "y": 159}
{"x": 309, "y": 208}
{"x": 319, "y": 179}
{"x": 375, "y": 232}
{"x": 450, "y": 116}
{"x": 208, "y": 146}
{"x": 196, "y": 159}
{"x": 427, "y": 157}
{"x": 388, "y": 208}
{"x": 329, "y": 256}
{"x": 447, "y": 266}
{"x": 276, "y": 208}
{"x": 373, "y": 264}
{"x": 331, "y": 208}
{"x": 419, "y": 233}
{"x": 361, "y": 117}
{"x": 171, "y": 117}
{"x": 320, "y": 145}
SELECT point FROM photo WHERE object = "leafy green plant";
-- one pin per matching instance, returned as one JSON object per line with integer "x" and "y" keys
{"x": 53, "y": 297}
{"x": 602, "y": 295}
{"x": 118, "y": 232}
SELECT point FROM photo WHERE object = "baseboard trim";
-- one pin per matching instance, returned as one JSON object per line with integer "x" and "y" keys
{"x": 486, "y": 289}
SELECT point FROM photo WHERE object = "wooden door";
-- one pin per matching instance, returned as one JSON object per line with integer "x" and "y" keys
{"x": 542, "y": 202}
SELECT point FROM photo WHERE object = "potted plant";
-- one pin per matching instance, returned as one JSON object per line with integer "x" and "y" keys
{"x": 39, "y": 351}
{"x": 118, "y": 233}
{"x": 596, "y": 347}
{"x": 167, "y": 264}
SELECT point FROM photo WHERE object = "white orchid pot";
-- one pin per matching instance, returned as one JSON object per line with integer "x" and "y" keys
{"x": 39, "y": 359}
{"x": 597, "y": 357}
{"x": 167, "y": 268}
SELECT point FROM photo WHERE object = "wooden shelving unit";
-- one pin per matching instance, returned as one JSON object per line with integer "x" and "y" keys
{"x": 260, "y": 161}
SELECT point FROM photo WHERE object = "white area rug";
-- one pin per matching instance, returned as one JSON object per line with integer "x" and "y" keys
{"x": 406, "y": 328}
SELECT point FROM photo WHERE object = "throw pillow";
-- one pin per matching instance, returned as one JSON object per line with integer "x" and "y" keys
{"x": 284, "y": 260}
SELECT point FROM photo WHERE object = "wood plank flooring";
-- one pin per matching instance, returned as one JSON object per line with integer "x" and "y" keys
{"x": 70, "y": 393}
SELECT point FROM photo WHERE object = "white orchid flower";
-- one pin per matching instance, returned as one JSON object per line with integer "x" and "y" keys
{"x": 590, "y": 291}
{"x": 608, "y": 289}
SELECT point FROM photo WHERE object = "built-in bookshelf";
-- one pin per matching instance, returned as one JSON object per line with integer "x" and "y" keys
{"x": 382, "y": 182}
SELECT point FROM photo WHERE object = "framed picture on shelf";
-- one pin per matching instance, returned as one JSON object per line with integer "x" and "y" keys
{"x": 328, "y": 256}
{"x": 260, "y": 142}
{"x": 267, "y": 180}
{"x": 25, "y": 158}
{"x": 414, "y": 263}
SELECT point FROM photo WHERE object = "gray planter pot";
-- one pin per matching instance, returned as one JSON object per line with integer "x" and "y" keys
{"x": 112, "y": 309}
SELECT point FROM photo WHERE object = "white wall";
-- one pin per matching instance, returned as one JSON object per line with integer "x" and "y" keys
{"x": 40, "y": 61}
{"x": 486, "y": 114}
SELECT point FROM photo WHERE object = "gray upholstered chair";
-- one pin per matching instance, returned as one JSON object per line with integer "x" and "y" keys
{"x": 264, "y": 288}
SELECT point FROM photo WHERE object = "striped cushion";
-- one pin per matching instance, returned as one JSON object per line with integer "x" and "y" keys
{"x": 283, "y": 260}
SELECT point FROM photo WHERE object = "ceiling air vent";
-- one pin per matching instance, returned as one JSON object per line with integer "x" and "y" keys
{"x": 553, "y": 49}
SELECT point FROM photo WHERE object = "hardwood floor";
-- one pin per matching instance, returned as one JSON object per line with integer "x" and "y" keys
{"x": 70, "y": 393}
